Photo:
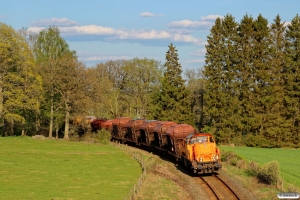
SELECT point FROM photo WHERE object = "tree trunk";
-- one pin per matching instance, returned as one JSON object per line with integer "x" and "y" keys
{"x": 67, "y": 120}
{"x": 1, "y": 111}
{"x": 51, "y": 118}
{"x": 37, "y": 124}
{"x": 12, "y": 126}
{"x": 56, "y": 131}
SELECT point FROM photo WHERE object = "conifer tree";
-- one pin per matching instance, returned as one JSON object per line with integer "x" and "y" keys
{"x": 246, "y": 74}
{"x": 221, "y": 99}
{"x": 262, "y": 88}
{"x": 292, "y": 78}
{"x": 276, "y": 118}
{"x": 171, "y": 102}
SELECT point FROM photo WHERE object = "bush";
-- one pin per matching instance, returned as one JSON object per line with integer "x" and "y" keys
{"x": 103, "y": 136}
{"x": 253, "y": 169}
{"x": 241, "y": 164}
{"x": 228, "y": 156}
{"x": 269, "y": 173}
{"x": 233, "y": 162}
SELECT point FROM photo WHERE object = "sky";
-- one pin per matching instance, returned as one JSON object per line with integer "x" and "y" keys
{"x": 102, "y": 30}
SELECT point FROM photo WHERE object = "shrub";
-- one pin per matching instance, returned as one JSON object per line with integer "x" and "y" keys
{"x": 103, "y": 136}
{"x": 253, "y": 169}
{"x": 269, "y": 173}
{"x": 241, "y": 164}
{"x": 233, "y": 161}
{"x": 229, "y": 156}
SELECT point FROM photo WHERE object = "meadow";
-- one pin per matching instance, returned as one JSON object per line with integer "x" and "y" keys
{"x": 289, "y": 160}
{"x": 58, "y": 169}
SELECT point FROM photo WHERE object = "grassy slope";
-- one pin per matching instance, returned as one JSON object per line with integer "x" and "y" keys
{"x": 289, "y": 160}
{"x": 51, "y": 169}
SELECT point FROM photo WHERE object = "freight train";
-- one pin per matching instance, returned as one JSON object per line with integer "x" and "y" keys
{"x": 196, "y": 151}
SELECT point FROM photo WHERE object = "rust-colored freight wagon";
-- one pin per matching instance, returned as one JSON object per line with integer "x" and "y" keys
{"x": 100, "y": 123}
{"x": 147, "y": 134}
{"x": 107, "y": 125}
{"x": 119, "y": 128}
{"x": 175, "y": 136}
{"x": 160, "y": 137}
{"x": 133, "y": 132}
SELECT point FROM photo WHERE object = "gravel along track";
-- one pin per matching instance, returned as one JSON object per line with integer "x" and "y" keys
{"x": 218, "y": 187}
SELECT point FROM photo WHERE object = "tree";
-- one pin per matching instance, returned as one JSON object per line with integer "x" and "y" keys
{"x": 277, "y": 121}
{"x": 292, "y": 78}
{"x": 109, "y": 87}
{"x": 171, "y": 101}
{"x": 48, "y": 49}
{"x": 197, "y": 87}
{"x": 143, "y": 77}
{"x": 70, "y": 86}
{"x": 222, "y": 89}
{"x": 20, "y": 85}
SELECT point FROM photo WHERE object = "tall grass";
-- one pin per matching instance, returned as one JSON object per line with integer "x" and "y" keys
{"x": 288, "y": 159}
{"x": 57, "y": 169}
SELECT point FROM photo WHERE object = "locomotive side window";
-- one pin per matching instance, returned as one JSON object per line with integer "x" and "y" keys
{"x": 211, "y": 140}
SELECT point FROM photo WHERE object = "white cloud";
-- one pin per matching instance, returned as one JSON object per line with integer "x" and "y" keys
{"x": 205, "y": 23}
{"x": 148, "y": 14}
{"x": 55, "y": 22}
{"x": 211, "y": 17}
{"x": 190, "y": 24}
{"x": 122, "y": 34}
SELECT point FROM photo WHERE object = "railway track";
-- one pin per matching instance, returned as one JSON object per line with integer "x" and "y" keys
{"x": 219, "y": 189}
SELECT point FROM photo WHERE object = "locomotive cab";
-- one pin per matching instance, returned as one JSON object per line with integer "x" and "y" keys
{"x": 202, "y": 153}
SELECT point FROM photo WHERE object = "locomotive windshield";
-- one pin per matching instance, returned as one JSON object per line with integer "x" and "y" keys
{"x": 199, "y": 139}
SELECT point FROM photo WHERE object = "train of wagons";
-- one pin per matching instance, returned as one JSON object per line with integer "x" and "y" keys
{"x": 196, "y": 151}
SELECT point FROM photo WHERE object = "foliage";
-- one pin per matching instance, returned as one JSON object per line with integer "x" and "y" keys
{"x": 269, "y": 173}
{"x": 56, "y": 64}
{"x": 20, "y": 85}
{"x": 247, "y": 93}
{"x": 171, "y": 102}
{"x": 258, "y": 157}
{"x": 252, "y": 82}
{"x": 197, "y": 86}
{"x": 103, "y": 136}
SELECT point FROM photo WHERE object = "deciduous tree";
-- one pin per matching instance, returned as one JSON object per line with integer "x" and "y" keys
{"x": 20, "y": 85}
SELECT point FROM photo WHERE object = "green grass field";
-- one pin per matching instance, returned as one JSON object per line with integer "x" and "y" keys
{"x": 57, "y": 169}
{"x": 289, "y": 160}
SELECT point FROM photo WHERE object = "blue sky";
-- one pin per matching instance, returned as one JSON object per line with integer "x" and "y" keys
{"x": 124, "y": 29}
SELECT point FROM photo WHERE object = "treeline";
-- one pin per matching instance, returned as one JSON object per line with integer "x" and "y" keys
{"x": 246, "y": 94}
{"x": 252, "y": 81}
{"x": 43, "y": 86}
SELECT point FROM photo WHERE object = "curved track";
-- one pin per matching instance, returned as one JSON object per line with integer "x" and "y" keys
{"x": 217, "y": 188}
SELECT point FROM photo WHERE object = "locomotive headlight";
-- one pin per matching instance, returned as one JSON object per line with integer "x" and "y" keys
{"x": 201, "y": 159}
{"x": 217, "y": 157}
{"x": 213, "y": 158}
